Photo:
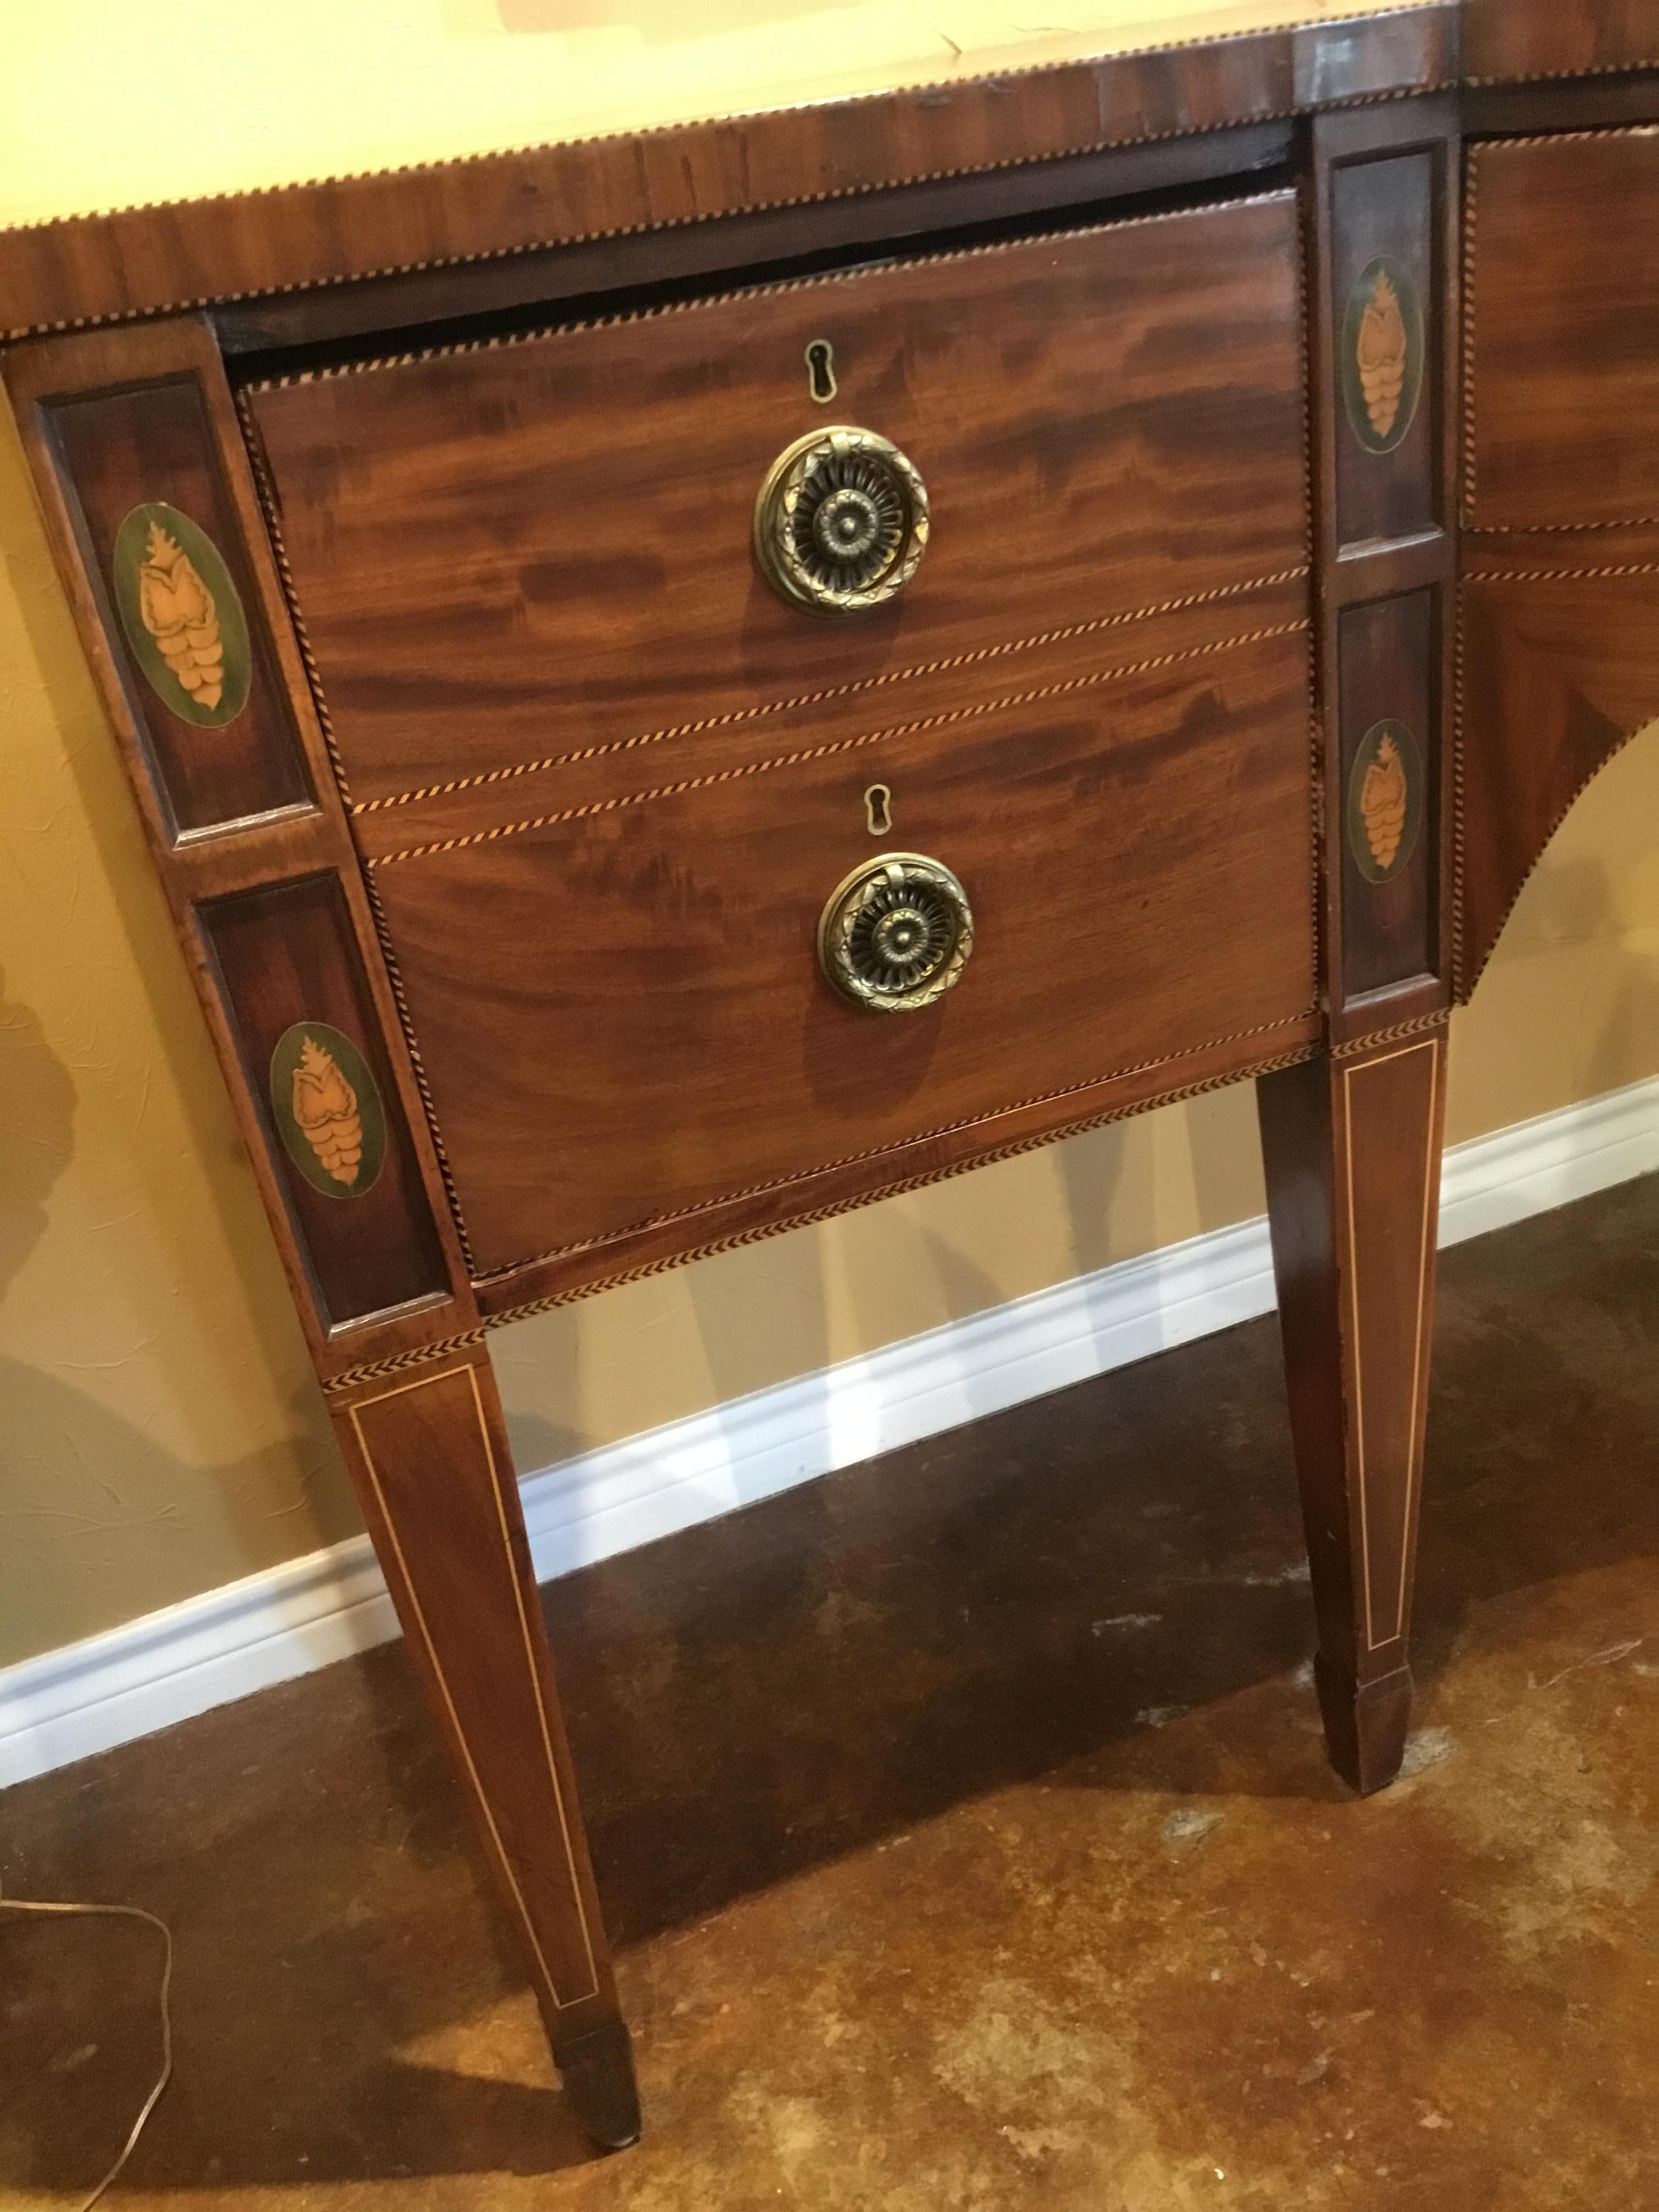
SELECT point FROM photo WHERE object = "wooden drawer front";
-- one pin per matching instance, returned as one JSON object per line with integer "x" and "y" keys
{"x": 622, "y": 1015}
{"x": 507, "y": 555}
{"x": 604, "y": 781}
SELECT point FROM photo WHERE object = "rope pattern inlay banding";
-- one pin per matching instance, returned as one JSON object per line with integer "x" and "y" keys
{"x": 1012, "y": 1150}
{"x": 849, "y": 690}
{"x": 922, "y": 724}
{"x": 422, "y": 1355}
{"x": 1374, "y": 1038}
{"x": 898, "y": 1144}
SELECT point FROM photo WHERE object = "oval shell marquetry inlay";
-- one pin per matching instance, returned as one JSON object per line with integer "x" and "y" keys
{"x": 328, "y": 1107}
{"x": 1382, "y": 354}
{"x": 182, "y": 615}
{"x": 1385, "y": 801}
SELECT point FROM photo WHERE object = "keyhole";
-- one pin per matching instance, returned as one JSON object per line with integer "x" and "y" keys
{"x": 878, "y": 809}
{"x": 821, "y": 371}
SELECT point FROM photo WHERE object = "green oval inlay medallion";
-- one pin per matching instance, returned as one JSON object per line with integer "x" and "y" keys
{"x": 1385, "y": 801}
{"x": 182, "y": 615}
{"x": 327, "y": 1106}
{"x": 1382, "y": 361}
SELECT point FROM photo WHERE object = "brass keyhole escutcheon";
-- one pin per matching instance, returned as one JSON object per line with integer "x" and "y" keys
{"x": 878, "y": 809}
{"x": 841, "y": 522}
{"x": 821, "y": 371}
{"x": 896, "y": 933}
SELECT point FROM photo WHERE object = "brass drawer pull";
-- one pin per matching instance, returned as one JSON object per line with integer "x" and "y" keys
{"x": 896, "y": 933}
{"x": 841, "y": 523}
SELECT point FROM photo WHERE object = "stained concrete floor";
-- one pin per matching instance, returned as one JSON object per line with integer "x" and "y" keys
{"x": 963, "y": 1825}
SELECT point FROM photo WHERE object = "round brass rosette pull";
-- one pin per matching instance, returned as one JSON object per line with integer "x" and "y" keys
{"x": 896, "y": 933}
{"x": 840, "y": 523}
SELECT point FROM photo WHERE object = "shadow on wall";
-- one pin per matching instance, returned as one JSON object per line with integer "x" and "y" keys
{"x": 153, "y": 1255}
{"x": 1578, "y": 912}
{"x": 36, "y": 1116}
{"x": 64, "y": 1535}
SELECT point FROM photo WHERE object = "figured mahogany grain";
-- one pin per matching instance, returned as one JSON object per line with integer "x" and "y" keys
{"x": 1563, "y": 312}
{"x": 512, "y": 554}
{"x": 641, "y": 1033}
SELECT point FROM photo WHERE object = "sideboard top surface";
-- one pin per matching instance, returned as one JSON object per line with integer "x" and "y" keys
{"x": 615, "y": 124}
{"x": 384, "y": 87}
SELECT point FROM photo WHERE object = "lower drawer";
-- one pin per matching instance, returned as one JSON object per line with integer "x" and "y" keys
{"x": 619, "y": 1000}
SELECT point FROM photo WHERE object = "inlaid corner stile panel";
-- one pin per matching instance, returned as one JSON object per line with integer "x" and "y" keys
{"x": 1384, "y": 307}
{"x": 1390, "y": 817}
{"x": 314, "y": 1061}
{"x": 1387, "y": 423}
{"x": 163, "y": 545}
{"x": 148, "y": 499}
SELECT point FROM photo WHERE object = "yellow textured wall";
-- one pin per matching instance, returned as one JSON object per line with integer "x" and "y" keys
{"x": 160, "y": 1432}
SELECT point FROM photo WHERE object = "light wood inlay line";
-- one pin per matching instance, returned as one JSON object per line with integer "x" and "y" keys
{"x": 1426, "y": 1248}
{"x": 423, "y": 1382}
{"x": 888, "y": 678}
{"x": 924, "y": 723}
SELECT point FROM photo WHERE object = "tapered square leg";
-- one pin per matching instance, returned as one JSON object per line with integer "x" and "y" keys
{"x": 427, "y": 1451}
{"x": 1352, "y": 1147}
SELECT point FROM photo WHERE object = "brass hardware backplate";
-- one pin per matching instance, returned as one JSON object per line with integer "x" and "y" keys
{"x": 841, "y": 521}
{"x": 896, "y": 933}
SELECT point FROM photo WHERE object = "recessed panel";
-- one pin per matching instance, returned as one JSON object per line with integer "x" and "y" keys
{"x": 309, "y": 1040}
{"x": 1385, "y": 316}
{"x": 161, "y": 540}
{"x": 1387, "y": 813}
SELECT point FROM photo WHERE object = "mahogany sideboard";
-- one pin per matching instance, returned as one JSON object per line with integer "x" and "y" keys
{"x": 682, "y": 683}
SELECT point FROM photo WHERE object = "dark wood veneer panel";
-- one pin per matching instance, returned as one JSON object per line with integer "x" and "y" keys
{"x": 514, "y": 554}
{"x": 642, "y": 1031}
{"x": 1563, "y": 311}
{"x": 1388, "y": 656}
{"x": 121, "y": 449}
{"x": 1383, "y": 228}
{"x": 284, "y": 956}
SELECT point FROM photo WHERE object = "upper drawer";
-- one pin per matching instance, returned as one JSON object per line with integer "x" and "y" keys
{"x": 509, "y": 553}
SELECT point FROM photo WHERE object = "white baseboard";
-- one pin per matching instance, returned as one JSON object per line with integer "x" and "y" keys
{"x": 169, "y": 1665}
